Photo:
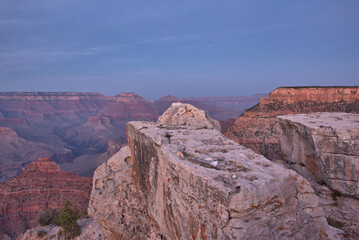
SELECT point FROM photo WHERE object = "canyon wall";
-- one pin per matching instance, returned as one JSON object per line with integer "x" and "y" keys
{"x": 257, "y": 127}
{"x": 41, "y": 185}
{"x": 191, "y": 182}
{"x": 71, "y": 127}
{"x": 327, "y": 144}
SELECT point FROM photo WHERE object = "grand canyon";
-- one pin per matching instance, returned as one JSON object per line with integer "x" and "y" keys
{"x": 81, "y": 130}
{"x": 288, "y": 167}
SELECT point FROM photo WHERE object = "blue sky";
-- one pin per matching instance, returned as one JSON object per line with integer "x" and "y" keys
{"x": 183, "y": 48}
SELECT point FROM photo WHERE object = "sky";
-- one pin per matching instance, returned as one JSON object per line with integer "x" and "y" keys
{"x": 184, "y": 48}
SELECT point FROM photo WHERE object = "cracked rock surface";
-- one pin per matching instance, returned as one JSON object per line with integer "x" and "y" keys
{"x": 190, "y": 182}
{"x": 327, "y": 144}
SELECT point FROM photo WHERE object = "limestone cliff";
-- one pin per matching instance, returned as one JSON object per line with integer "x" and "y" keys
{"x": 191, "y": 182}
{"x": 41, "y": 185}
{"x": 327, "y": 144}
{"x": 256, "y": 128}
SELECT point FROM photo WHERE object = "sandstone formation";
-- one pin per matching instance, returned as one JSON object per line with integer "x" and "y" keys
{"x": 257, "y": 128}
{"x": 186, "y": 114}
{"x": 327, "y": 144}
{"x": 194, "y": 183}
{"x": 41, "y": 185}
{"x": 90, "y": 230}
{"x": 115, "y": 203}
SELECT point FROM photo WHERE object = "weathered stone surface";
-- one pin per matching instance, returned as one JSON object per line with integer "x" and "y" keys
{"x": 327, "y": 144}
{"x": 114, "y": 203}
{"x": 186, "y": 114}
{"x": 90, "y": 230}
{"x": 190, "y": 182}
{"x": 198, "y": 184}
{"x": 41, "y": 185}
{"x": 256, "y": 127}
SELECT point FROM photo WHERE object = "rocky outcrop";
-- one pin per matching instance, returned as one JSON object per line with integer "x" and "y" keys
{"x": 214, "y": 111}
{"x": 256, "y": 128}
{"x": 90, "y": 230}
{"x": 327, "y": 144}
{"x": 41, "y": 185}
{"x": 115, "y": 203}
{"x": 193, "y": 183}
{"x": 186, "y": 114}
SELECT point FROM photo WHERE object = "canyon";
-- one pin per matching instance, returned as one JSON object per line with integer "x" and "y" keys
{"x": 41, "y": 185}
{"x": 257, "y": 127}
{"x": 183, "y": 179}
{"x": 78, "y": 131}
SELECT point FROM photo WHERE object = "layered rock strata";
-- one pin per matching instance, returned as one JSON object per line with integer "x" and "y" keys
{"x": 194, "y": 183}
{"x": 71, "y": 127}
{"x": 327, "y": 144}
{"x": 41, "y": 185}
{"x": 257, "y": 128}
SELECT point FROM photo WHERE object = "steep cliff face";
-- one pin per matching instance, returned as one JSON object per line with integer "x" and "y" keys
{"x": 256, "y": 128}
{"x": 41, "y": 185}
{"x": 194, "y": 183}
{"x": 327, "y": 144}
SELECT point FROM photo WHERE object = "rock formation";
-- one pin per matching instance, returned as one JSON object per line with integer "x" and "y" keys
{"x": 186, "y": 114}
{"x": 256, "y": 128}
{"x": 15, "y": 152}
{"x": 218, "y": 113}
{"x": 327, "y": 144}
{"x": 115, "y": 203}
{"x": 190, "y": 182}
{"x": 41, "y": 185}
{"x": 70, "y": 127}
{"x": 90, "y": 230}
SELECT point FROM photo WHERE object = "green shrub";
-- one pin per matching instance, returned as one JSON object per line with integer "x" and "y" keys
{"x": 67, "y": 219}
{"x": 41, "y": 234}
{"x": 46, "y": 217}
{"x": 334, "y": 223}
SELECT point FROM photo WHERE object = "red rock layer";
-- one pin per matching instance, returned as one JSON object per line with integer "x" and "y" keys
{"x": 41, "y": 185}
{"x": 5, "y": 131}
{"x": 256, "y": 128}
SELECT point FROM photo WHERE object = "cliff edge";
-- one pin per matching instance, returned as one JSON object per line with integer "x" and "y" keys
{"x": 257, "y": 127}
{"x": 191, "y": 182}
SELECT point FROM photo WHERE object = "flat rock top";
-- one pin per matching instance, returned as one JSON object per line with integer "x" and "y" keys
{"x": 210, "y": 153}
{"x": 336, "y": 120}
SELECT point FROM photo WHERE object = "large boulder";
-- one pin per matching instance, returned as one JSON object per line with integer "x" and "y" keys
{"x": 327, "y": 144}
{"x": 186, "y": 114}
